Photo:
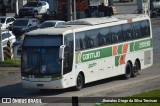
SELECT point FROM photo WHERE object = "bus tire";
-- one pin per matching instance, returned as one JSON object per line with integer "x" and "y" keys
{"x": 135, "y": 69}
{"x": 128, "y": 70}
{"x": 79, "y": 82}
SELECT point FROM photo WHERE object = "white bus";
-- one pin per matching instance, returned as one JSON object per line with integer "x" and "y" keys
{"x": 86, "y": 50}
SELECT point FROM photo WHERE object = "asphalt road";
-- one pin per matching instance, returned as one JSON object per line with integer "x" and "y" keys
{"x": 149, "y": 79}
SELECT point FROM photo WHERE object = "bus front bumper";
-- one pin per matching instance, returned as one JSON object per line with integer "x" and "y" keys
{"x": 56, "y": 84}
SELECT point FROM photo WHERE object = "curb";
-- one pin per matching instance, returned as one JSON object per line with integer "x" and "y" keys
{"x": 10, "y": 65}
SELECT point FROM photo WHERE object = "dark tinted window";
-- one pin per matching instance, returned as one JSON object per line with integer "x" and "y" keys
{"x": 8, "y": 20}
{"x": 127, "y": 31}
{"x": 2, "y": 20}
{"x": 136, "y": 30}
{"x": 43, "y": 40}
{"x": 31, "y": 4}
{"x": 92, "y": 38}
{"x": 81, "y": 40}
{"x": 113, "y": 34}
{"x": 145, "y": 29}
{"x": 117, "y": 35}
{"x": 12, "y": 19}
{"x": 68, "y": 53}
{"x": 43, "y": 3}
{"x": 104, "y": 36}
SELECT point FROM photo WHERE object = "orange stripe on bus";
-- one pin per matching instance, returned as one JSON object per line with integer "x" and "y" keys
{"x": 122, "y": 59}
{"x": 125, "y": 48}
{"x": 115, "y": 50}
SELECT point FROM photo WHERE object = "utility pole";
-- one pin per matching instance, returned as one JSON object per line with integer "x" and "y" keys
{"x": 16, "y": 14}
{"x": 75, "y": 10}
{"x": 1, "y": 46}
{"x": 69, "y": 10}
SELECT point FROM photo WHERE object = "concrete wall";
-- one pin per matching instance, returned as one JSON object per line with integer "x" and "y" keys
{"x": 126, "y": 7}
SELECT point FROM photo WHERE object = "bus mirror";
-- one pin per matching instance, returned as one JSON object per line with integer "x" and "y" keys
{"x": 61, "y": 52}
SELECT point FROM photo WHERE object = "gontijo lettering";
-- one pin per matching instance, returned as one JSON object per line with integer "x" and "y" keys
{"x": 92, "y": 55}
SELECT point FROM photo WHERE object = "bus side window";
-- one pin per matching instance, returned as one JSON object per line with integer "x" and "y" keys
{"x": 127, "y": 33}
{"x": 77, "y": 44}
{"x": 90, "y": 44}
{"x": 115, "y": 38}
{"x": 145, "y": 29}
{"x": 105, "y": 36}
{"x": 92, "y": 36}
{"x": 80, "y": 41}
{"x": 101, "y": 40}
{"x": 117, "y": 35}
{"x": 136, "y": 30}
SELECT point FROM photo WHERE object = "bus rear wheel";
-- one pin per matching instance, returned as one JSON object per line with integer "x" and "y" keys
{"x": 80, "y": 82}
{"x": 135, "y": 69}
{"x": 128, "y": 71}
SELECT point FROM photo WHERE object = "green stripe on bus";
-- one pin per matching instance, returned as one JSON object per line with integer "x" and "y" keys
{"x": 85, "y": 56}
{"x": 140, "y": 45}
{"x": 117, "y": 60}
{"x": 120, "y": 49}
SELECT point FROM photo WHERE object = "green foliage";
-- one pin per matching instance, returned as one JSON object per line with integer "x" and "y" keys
{"x": 155, "y": 93}
{"x": 11, "y": 62}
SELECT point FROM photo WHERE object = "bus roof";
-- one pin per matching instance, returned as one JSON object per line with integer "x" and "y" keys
{"x": 82, "y": 23}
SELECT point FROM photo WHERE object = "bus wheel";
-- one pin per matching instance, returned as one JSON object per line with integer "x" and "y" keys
{"x": 128, "y": 70}
{"x": 80, "y": 82}
{"x": 135, "y": 69}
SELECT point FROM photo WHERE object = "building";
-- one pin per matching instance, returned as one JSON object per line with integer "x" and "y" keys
{"x": 11, "y": 4}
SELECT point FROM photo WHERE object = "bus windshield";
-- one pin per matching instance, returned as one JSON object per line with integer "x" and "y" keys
{"x": 41, "y": 57}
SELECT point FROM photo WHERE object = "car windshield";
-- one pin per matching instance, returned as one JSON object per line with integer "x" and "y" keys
{"x": 31, "y": 4}
{"x": 20, "y": 23}
{"x": 2, "y": 20}
{"x": 47, "y": 24}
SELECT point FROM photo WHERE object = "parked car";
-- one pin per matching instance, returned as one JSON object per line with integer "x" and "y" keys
{"x": 23, "y": 25}
{"x": 52, "y": 23}
{"x": 34, "y": 9}
{"x": 6, "y": 21}
{"x": 7, "y": 36}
